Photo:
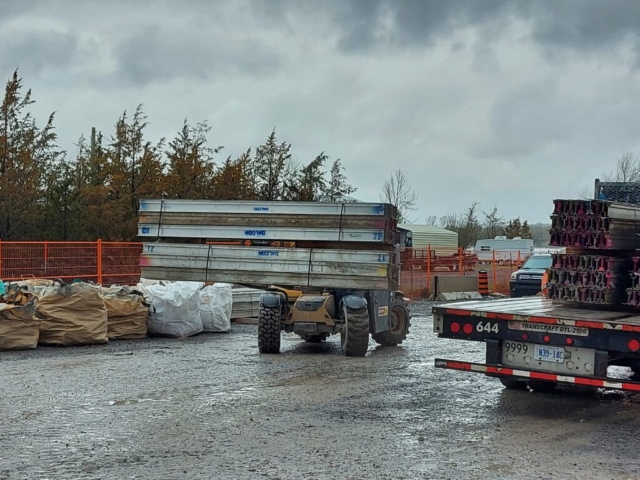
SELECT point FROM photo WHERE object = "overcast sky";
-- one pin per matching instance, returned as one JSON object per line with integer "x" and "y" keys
{"x": 497, "y": 101}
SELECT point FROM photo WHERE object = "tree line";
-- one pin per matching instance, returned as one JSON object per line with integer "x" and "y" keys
{"x": 470, "y": 226}
{"x": 46, "y": 195}
{"x": 473, "y": 225}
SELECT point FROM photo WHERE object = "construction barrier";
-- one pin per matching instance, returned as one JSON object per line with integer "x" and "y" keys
{"x": 111, "y": 263}
{"x": 419, "y": 266}
{"x": 106, "y": 263}
{"x": 483, "y": 283}
{"x": 448, "y": 288}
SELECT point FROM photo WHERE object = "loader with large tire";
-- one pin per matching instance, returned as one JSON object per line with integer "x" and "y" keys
{"x": 344, "y": 264}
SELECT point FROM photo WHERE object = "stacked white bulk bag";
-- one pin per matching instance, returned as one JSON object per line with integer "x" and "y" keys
{"x": 216, "y": 305}
{"x": 175, "y": 308}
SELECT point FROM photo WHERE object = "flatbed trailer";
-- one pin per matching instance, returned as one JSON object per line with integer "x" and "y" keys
{"x": 538, "y": 343}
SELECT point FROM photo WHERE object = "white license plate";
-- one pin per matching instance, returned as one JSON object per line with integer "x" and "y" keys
{"x": 545, "y": 353}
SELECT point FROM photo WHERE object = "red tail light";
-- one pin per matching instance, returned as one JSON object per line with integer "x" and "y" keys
{"x": 455, "y": 327}
{"x": 569, "y": 341}
{"x": 634, "y": 345}
{"x": 546, "y": 338}
{"x": 468, "y": 328}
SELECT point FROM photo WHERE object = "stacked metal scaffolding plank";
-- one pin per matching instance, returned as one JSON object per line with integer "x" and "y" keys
{"x": 589, "y": 279}
{"x": 272, "y": 221}
{"x": 346, "y": 245}
{"x": 595, "y": 224}
{"x": 600, "y": 237}
{"x": 304, "y": 267}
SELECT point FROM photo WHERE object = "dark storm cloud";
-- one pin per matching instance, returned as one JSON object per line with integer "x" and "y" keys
{"x": 34, "y": 51}
{"x": 157, "y": 54}
{"x": 365, "y": 25}
{"x": 585, "y": 24}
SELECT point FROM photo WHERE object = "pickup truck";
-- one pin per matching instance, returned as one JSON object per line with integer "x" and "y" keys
{"x": 527, "y": 281}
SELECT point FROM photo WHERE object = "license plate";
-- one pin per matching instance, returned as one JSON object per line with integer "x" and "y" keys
{"x": 545, "y": 353}
{"x": 570, "y": 360}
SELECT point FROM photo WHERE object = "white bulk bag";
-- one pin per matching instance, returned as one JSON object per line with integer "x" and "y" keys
{"x": 215, "y": 309}
{"x": 175, "y": 309}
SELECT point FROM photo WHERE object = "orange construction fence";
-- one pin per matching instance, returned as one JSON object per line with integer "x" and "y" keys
{"x": 418, "y": 266}
{"x": 119, "y": 263}
{"x": 102, "y": 262}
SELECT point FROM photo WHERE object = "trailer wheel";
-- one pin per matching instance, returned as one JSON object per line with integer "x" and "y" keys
{"x": 399, "y": 323}
{"x": 354, "y": 337}
{"x": 269, "y": 329}
{"x": 513, "y": 384}
{"x": 542, "y": 386}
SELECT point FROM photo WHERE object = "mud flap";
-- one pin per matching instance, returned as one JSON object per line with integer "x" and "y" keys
{"x": 379, "y": 310}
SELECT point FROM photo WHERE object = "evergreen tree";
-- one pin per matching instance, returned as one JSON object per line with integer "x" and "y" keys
{"x": 190, "y": 163}
{"x": 26, "y": 154}
{"x": 337, "y": 185}
{"x": 270, "y": 162}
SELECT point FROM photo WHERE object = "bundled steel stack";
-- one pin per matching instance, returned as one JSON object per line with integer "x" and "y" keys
{"x": 633, "y": 292}
{"x": 600, "y": 237}
{"x": 339, "y": 245}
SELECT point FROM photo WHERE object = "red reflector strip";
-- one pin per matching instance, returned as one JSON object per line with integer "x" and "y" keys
{"x": 543, "y": 320}
{"x": 596, "y": 382}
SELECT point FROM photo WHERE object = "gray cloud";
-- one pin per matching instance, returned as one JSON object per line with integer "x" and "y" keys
{"x": 12, "y": 8}
{"x": 159, "y": 53}
{"x": 571, "y": 25}
{"x": 32, "y": 52}
{"x": 473, "y": 99}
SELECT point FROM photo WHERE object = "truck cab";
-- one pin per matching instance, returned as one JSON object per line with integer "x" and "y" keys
{"x": 527, "y": 281}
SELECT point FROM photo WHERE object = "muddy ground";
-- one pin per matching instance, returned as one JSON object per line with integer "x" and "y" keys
{"x": 212, "y": 407}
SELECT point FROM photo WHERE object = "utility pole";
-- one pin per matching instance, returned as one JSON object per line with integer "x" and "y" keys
{"x": 93, "y": 142}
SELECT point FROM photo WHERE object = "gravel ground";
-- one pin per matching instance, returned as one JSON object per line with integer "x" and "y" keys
{"x": 212, "y": 407}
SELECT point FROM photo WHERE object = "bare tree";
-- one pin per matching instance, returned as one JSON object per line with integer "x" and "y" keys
{"x": 627, "y": 170}
{"x": 466, "y": 225}
{"x": 398, "y": 192}
{"x": 493, "y": 223}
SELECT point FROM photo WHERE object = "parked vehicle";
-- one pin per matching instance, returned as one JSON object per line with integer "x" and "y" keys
{"x": 344, "y": 266}
{"x": 526, "y": 282}
{"x": 505, "y": 251}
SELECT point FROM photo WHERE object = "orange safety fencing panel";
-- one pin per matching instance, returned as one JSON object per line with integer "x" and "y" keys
{"x": 102, "y": 262}
{"x": 418, "y": 266}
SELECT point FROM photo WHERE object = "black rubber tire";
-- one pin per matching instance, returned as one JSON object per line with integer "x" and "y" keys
{"x": 542, "y": 386}
{"x": 513, "y": 384}
{"x": 354, "y": 338}
{"x": 269, "y": 329}
{"x": 398, "y": 331}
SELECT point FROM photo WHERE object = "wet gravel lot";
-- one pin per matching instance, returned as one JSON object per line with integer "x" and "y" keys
{"x": 212, "y": 407}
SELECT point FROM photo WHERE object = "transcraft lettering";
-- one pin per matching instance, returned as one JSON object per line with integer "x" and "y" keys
{"x": 260, "y": 209}
{"x": 255, "y": 233}
{"x": 541, "y": 327}
{"x": 267, "y": 253}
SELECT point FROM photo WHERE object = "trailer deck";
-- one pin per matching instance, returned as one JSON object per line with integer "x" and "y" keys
{"x": 543, "y": 311}
{"x": 537, "y": 340}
